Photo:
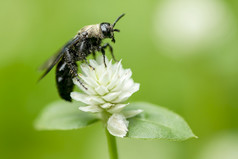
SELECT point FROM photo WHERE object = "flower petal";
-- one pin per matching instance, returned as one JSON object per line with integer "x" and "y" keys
{"x": 89, "y": 90}
{"x": 106, "y": 105}
{"x": 132, "y": 113}
{"x": 107, "y": 87}
{"x": 111, "y": 96}
{"x": 109, "y": 65}
{"x": 117, "y": 125}
{"x": 117, "y": 108}
{"x": 88, "y": 80}
{"x": 123, "y": 79}
{"x": 125, "y": 95}
{"x": 127, "y": 85}
{"x": 115, "y": 76}
{"x": 91, "y": 108}
{"x": 87, "y": 71}
{"x": 104, "y": 79}
{"x": 93, "y": 63}
{"x": 91, "y": 100}
{"x": 101, "y": 90}
{"x": 80, "y": 97}
{"x": 100, "y": 60}
{"x": 96, "y": 100}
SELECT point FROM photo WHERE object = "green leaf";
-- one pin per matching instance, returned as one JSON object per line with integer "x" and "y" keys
{"x": 63, "y": 115}
{"x": 156, "y": 122}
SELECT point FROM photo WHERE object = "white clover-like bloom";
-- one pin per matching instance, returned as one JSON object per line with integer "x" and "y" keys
{"x": 107, "y": 90}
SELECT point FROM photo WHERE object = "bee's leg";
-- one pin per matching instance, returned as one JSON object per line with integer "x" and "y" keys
{"x": 89, "y": 64}
{"x": 103, "y": 54}
{"x": 83, "y": 55}
{"x": 73, "y": 68}
{"x": 111, "y": 50}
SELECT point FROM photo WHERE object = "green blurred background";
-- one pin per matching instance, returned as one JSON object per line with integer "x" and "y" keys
{"x": 183, "y": 52}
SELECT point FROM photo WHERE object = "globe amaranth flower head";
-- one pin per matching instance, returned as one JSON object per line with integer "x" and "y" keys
{"x": 107, "y": 90}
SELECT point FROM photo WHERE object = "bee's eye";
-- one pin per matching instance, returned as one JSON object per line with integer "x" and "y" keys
{"x": 105, "y": 27}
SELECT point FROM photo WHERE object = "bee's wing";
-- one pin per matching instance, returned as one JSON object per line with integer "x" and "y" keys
{"x": 49, "y": 64}
{"x": 50, "y": 61}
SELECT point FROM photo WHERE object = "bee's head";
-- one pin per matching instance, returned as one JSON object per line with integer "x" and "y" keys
{"x": 108, "y": 29}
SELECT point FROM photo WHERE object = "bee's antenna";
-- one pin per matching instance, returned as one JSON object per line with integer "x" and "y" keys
{"x": 117, "y": 30}
{"x": 117, "y": 19}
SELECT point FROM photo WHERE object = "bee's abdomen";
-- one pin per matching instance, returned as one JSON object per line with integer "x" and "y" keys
{"x": 64, "y": 80}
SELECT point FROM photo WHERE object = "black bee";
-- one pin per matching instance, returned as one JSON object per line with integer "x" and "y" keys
{"x": 87, "y": 41}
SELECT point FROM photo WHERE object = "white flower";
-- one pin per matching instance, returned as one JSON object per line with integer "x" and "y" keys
{"x": 107, "y": 90}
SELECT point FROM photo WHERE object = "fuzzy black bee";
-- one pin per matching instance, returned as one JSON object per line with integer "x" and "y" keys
{"x": 87, "y": 41}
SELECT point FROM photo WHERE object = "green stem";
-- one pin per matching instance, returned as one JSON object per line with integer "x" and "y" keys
{"x": 111, "y": 140}
{"x": 112, "y": 146}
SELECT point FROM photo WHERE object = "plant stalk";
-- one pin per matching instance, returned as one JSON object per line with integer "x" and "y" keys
{"x": 112, "y": 145}
{"x": 111, "y": 140}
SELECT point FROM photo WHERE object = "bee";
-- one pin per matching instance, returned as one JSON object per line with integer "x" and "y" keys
{"x": 88, "y": 40}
